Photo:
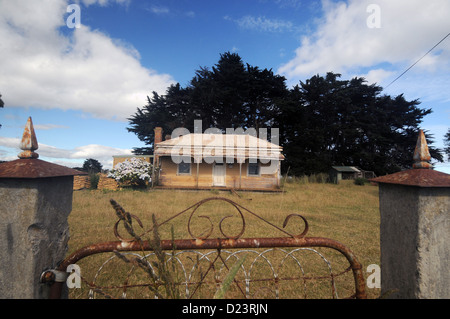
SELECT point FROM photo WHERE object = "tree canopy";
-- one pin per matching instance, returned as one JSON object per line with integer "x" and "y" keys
{"x": 323, "y": 121}
{"x": 92, "y": 165}
{"x": 329, "y": 121}
{"x": 447, "y": 144}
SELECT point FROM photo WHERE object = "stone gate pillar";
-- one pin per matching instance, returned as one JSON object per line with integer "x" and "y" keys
{"x": 415, "y": 230}
{"x": 35, "y": 202}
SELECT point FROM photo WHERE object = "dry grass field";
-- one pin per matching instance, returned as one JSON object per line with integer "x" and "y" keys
{"x": 346, "y": 212}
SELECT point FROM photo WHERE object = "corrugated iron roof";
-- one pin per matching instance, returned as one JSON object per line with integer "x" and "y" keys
{"x": 235, "y": 145}
{"x": 226, "y": 140}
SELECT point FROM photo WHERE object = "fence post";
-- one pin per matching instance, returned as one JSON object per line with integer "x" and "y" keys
{"x": 36, "y": 200}
{"x": 415, "y": 230}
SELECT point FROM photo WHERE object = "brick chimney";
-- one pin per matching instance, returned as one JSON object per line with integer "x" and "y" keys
{"x": 158, "y": 138}
{"x": 158, "y": 135}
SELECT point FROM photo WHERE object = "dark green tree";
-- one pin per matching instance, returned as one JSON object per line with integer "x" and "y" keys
{"x": 266, "y": 91}
{"x": 329, "y": 121}
{"x": 447, "y": 144}
{"x": 92, "y": 166}
{"x": 228, "y": 86}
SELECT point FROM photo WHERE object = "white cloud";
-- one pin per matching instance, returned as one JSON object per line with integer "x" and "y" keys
{"x": 377, "y": 75}
{"x": 103, "y": 154}
{"x": 190, "y": 14}
{"x": 9, "y": 142}
{"x": 83, "y": 70}
{"x": 343, "y": 42}
{"x": 290, "y": 4}
{"x": 49, "y": 126}
{"x": 102, "y": 2}
{"x": 159, "y": 10}
{"x": 262, "y": 24}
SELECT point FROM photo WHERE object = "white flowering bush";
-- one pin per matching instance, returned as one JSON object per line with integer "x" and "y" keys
{"x": 133, "y": 172}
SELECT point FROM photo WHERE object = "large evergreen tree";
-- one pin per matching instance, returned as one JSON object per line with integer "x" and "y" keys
{"x": 92, "y": 166}
{"x": 447, "y": 144}
{"x": 347, "y": 122}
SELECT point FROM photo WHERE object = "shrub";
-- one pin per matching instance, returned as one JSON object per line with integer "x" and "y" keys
{"x": 94, "y": 178}
{"x": 132, "y": 172}
{"x": 360, "y": 181}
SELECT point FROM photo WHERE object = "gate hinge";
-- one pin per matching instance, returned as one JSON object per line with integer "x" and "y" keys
{"x": 51, "y": 276}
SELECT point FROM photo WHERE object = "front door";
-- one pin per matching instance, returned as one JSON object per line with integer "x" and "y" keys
{"x": 219, "y": 173}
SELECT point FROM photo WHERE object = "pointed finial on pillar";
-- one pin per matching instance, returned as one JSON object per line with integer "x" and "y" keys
{"x": 421, "y": 154}
{"x": 29, "y": 142}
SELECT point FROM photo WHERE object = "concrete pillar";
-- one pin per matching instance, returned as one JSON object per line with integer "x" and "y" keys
{"x": 415, "y": 230}
{"x": 36, "y": 200}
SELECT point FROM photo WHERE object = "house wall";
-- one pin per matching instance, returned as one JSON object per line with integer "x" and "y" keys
{"x": 169, "y": 178}
{"x": 264, "y": 181}
{"x": 168, "y": 175}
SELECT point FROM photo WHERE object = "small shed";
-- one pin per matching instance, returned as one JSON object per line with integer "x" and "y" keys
{"x": 338, "y": 173}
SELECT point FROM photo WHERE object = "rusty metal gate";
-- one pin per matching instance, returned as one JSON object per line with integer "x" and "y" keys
{"x": 285, "y": 266}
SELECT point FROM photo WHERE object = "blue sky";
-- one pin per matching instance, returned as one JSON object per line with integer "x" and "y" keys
{"x": 80, "y": 85}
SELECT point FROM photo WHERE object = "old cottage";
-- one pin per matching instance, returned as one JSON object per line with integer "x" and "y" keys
{"x": 223, "y": 161}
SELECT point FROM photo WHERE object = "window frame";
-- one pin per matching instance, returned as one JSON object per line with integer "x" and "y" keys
{"x": 258, "y": 165}
{"x": 188, "y": 165}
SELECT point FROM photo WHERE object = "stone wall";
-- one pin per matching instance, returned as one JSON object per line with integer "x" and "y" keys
{"x": 107, "y": 183}
{"x": 81, "y": 182}
{"x": 104, "y": 182}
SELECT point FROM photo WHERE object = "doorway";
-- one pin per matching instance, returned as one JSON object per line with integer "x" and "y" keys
{"x": 219, "y": 174}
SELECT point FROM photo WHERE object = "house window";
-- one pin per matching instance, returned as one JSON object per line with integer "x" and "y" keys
{"x": 184, "y": 168}
{"x": 253, "y": 169}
